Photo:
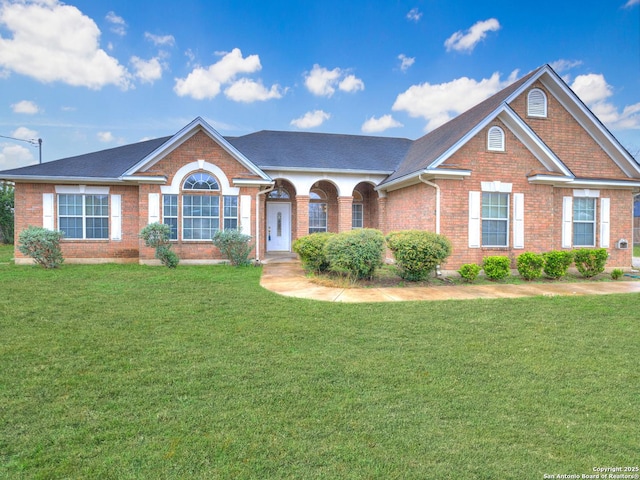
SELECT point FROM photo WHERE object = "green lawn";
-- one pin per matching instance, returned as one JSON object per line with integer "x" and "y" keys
{"x": 122, "y": 372}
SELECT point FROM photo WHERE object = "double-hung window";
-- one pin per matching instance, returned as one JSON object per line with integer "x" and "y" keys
{"x": 83, "y": 216}
{"x": 495, "y": 219}
{"x": 584, "y": 222}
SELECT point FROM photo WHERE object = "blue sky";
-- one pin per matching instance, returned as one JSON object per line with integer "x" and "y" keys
{"x": 88, "y": 75}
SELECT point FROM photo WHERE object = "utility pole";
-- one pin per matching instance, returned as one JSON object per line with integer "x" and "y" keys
{"x": 35, "y": 143}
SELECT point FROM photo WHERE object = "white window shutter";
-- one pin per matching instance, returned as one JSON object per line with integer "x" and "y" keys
{"x": 245, "y": 214}
{"x": 48, "y": 212}
{"x": 518, "y": 220}
{"x": 474, "y": 219}
{"x": 116, "y": 217}
{"x": 154, "y": 207}
{"x": 605, "y": 231}
{"x": 567, "y": 222}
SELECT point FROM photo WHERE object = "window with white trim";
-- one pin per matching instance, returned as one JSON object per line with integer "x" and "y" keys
{"x": 83, "y": 216}
{"x": 317, "y": 211}
{"x": 170, "y": 214}
{"x": 495, "y": 219}
{"x": 537, "y": 103}
{"x": 495, "y": 139}
{"x": 357, "y": 211}
{"x": 584, "y": 222}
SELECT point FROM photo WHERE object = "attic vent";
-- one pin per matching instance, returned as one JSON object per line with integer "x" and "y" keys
{"x": 537, "y": 103}
{"x": 495, "y": 140}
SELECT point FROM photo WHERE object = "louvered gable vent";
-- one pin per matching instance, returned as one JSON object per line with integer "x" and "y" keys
{"x": 495, "y": 140}
{"x": 537, "y": 103}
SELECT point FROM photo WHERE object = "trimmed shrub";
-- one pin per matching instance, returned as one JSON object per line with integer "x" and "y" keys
{"x": 310, "y": 248}
{"x": 556, "y": 263}
{"x": 156, "y": 235}
{"x": 469, "y": 271}
{"x": 234, "y": 245}
{"x": 418, "y": 252}
{"x": 356, "y": 253}
{"x": 590, "y": 261}
{"x": 617, "y": 273}
{"x": 42, "y": 245}
{"x": 496, "y": 267}
{"x": 6, "y": 213}
{"x": 530, "y": 265}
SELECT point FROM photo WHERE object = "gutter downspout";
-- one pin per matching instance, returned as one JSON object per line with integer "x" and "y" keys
{"x": 437, "y": 187}
{"x": 261, "y": 192}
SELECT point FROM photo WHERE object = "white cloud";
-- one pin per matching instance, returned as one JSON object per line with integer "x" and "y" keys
{"x": 24, "y": 133}
{"x": 15, "y": 156}
{"x": 247, "y": 91}
{"x": 106, "y": 137}
{"x": 594, "y": 91}
{"x": 563, "y": 65}
{"x": 414, "y": 15}
{"x": 323, "y": 82}
{"x": 160, "y": 40}
{"x": 351, "y": 84}
{"x": 311, "y": 119}
{"x": 203, "y": 83}
{"x": 466, "y": 41}
{"x": 440, "y": 102}
{"x": 148, "y": 71}
{"x": 405, "y": 62}
{"x": 631, "y": 3}
{"x": 25, "y": 106}
{"x": 374, "y": 125}
{"x": 119, "y": 26}
{"x": 52, "y": 42}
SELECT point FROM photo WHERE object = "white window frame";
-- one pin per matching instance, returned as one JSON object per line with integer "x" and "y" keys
{"x": 577, "y": 222}
{"x": 84, "y": 216}
{"x": 505, "y": 219}
{"x": 318, "y": 211}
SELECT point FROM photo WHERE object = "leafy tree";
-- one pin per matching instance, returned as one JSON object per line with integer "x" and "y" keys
{"x": 7, "y": 203}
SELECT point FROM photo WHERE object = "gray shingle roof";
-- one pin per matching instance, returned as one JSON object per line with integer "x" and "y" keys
{"x": 322, "y": 151}
{"x": 111, "y": 163}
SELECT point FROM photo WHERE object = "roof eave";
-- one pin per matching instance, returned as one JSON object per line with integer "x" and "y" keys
{"x": 427, "y": 174}
{"x": 325, "y": 170}
{"x": 572, "y": 182}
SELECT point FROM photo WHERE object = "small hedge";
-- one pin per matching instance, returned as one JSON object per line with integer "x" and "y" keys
{"x": 497, "y": 267}
{"x": 356, "y": 254}
{"x": 156, "y": 235}
{"x": 234, "y": 245}
{"x": 310, "y": 248}
{"x": 42, "y": 245}
{"x": 418, "y": 252}
{"x": 590, "y": 261}
{"x": 530, "y": 265}
{"x": 469, "y": 272}
{"x": 557, "y": 263}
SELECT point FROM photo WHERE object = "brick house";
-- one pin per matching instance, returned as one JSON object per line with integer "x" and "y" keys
{"x": 529, "y": 169}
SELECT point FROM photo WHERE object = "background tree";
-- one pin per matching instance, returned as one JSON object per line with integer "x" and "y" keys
{"x": 6, "y": 212}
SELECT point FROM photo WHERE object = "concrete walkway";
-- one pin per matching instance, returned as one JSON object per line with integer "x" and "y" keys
{"x": 284, "y": 275}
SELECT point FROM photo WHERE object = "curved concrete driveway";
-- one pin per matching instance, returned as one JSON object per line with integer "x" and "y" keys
{"x": 286, "y": 277}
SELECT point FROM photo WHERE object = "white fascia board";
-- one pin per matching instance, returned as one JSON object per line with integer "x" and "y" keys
{"x": 428, "y": 174}
{"x": 62, "y": 180}
{"x": 244, "y": 182}
{"x": 273, "y": 169}
{"x": 159, "y": 179}
{"x": 186, "y": 133}
{"x": 534, "y": 144}
{"x": 572, "y": 182}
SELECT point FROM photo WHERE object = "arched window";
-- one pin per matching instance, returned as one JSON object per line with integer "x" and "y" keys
{"x": 495, "y": 139}
{"x": 279, "y": 193}
{"x": 201, "y": 181}
{"x": 537, "y": 103}
{"x": 317, "y": 211}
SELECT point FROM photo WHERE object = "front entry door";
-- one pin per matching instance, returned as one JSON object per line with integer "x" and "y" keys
{"x": 278, "y": 227}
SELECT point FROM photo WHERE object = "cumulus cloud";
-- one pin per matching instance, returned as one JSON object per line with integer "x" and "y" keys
{"x": 374, "y": 125}
{"x": 15, "y": 156}
{"x": 311, "y": 119}
{"x": 247, "y": 91}
{"x": 323, "y": 82}
{"x": 563, "y": 65}
{"x": 594, "y": 91}
{"x": 414, "y": 15}
{"x": 24, "y": 133}
{"x": 438, "y": 103}
{"x": 148, "y": 71}
{"x": 467, "y": 41}
{"x": 160, "y": 40}
{"x": 25, "y": 106}
{"x": 118, "y": 25}
{"x": 206, "y": 83}
{"x": 405, "y": 62}
{"x": 106, "y": 137}
{"x": 50, "y": 41}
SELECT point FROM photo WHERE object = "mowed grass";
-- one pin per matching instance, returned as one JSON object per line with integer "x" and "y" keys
{"x": 123, "y": 372}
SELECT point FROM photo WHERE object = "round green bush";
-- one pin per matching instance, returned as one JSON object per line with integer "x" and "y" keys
{"x": 356, "y": 254}
{"x": 590, "y": 261}
{"x": 42, "y": 245}
{"x": 310, "y": 248}
{"x": 556, "y": 263}
{"x": 496, "y": 267}
{"x": 530, "y": 265}
{"x": 234, "y": 245}
{"x": 418, "y": 252}
{"x": 469, "y": 271}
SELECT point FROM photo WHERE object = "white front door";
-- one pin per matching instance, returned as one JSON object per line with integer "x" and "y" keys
{"x": 278, "y": 227}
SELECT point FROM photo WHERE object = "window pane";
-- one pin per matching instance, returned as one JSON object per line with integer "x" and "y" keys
{"x": 70, "y": 205}
{"x": 201, "y": 181}
{"x": 71, "y": 226}
{"x": 97, "y": 228}
{"x": 584, "y": 222}
{"x": 356, "y": 216}
{"x": 200, "y": 216}
{"x": 170, "y": 214}
{"x": 495, "y": 219}
{"x": 317, "y": 217}
{"x": 494, "y": 233}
